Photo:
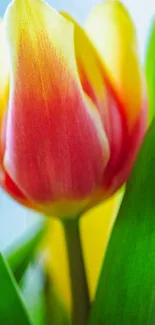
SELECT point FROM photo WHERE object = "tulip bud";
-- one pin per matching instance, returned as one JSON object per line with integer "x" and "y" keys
{"x": 76, "y": 110}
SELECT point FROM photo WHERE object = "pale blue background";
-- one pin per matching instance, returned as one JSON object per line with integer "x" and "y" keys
{"x": 13, "y": 218}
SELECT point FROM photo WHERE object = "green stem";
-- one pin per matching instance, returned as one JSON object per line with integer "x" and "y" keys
{"x": 79, "y": 287}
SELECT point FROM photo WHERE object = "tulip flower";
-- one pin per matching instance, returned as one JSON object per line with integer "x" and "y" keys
{"x": 76, "y": 108}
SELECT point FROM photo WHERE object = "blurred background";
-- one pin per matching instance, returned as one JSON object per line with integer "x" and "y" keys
{"x": 14, "y": 219}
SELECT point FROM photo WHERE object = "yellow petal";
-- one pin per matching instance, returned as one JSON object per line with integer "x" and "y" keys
{"x": 4, "y": 72}
{"x": 96, "y": 226}
{"x": 90, "y": 67}
{"x": 113, "y": 33}
{"x": 56, "y": 259}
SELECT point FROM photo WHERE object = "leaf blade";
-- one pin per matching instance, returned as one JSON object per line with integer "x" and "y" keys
{"x": 32, "y": 287}
{"x": 126, "y": 290}
{"x": 19, "y": 253}
{"x": 12, "y": 308}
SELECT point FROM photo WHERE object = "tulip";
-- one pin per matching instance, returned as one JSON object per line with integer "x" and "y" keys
{"x": 76, "y": 107}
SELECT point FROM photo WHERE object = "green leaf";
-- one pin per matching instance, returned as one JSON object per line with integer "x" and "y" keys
{"x": 33, "y": 290}
{"x": 150, "y": 71}
{"x": 20, "y": 253}
{"x": 126, "y": 290}
{"x": 56, "y": 312}
{"x": 42, "y": 299}
{"x": 12, "y": 309}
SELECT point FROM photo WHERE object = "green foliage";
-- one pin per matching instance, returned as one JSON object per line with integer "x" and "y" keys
{"x": 56, "y": 312}
{"x": 35, "y": 300}
{"x": 33, "y": 291}
{"x": 126, "y": 290}
{"x": 12, "y": 309}
{"x": 21, "y": 252}
{"x": 42, "y": 300}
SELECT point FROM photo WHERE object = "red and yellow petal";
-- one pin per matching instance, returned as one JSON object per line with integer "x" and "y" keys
{"x": 54, "y": 149}
{"x": 90, "y": 69}
{"x": 96, "y": 84}
{"x": 113, "y": 34}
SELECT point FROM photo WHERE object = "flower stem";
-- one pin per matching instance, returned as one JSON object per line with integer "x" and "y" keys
{"x": 79, "y": 287}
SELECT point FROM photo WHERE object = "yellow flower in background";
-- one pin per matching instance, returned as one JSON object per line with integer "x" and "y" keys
{"x": 96, "y": 226}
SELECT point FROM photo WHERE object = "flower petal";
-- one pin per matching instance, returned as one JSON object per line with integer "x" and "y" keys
{"x": 96, "y": 226}
{"x": 96, "y": 84}
{"x": 4, "y": 72}
{"x": 90, "y": 69}
{"x": 112, "y": 32}
{"x": 9, "y": 186}
{"x": 56, "y": 147}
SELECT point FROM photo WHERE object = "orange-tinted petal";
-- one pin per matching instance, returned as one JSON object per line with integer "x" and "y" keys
{"x": 112, "y": 32}
{"x": 56, "y": 146}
